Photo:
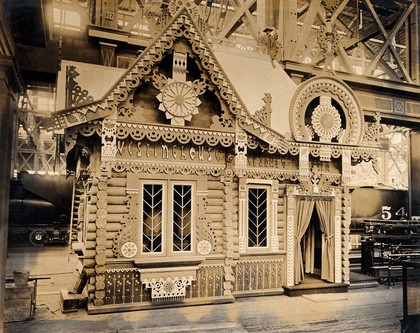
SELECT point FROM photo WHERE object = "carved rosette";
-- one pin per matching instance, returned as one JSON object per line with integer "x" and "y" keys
{"x": 179, "y": 101}
{"x": 326, "y": 122}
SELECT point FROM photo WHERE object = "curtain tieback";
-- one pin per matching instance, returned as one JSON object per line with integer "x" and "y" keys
{"x": 329, "y": 237}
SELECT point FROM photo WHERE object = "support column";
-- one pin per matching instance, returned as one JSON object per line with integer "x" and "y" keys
{"x": 10, "y": 85}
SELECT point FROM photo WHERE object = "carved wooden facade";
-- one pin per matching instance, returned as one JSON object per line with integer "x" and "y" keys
{"x": 187, "y": 196}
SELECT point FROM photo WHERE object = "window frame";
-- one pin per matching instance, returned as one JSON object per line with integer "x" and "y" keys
{"x": 168, "y": 186}
{"x": 268, "y": 219}
{"x": 272, "y": 187}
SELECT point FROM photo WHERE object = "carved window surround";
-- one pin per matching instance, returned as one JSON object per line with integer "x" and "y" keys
{"x": 272, "y": 237}
{"x": 133, "y": 189}
{"x": 292, "y": 194}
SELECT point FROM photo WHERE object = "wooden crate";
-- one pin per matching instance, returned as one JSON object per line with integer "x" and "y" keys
{"x": 20, "y": 302}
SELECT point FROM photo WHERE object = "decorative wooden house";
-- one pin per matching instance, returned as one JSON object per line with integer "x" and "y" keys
{"x": 184, "y": 196}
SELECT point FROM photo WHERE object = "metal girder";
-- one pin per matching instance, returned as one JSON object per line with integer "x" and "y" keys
{"x": 241, "y": 13}
{"x": 388, "y": 40}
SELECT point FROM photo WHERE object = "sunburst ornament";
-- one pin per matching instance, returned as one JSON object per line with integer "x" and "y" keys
{"x": 326, "y": 122}
{"x": 179, "y": 101}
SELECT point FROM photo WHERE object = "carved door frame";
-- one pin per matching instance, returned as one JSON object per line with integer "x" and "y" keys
{"x": 292, "y": 193}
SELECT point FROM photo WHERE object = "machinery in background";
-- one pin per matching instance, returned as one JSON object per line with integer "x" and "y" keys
{"x": 39, "y": 209}
{"x": 383, "y": 232}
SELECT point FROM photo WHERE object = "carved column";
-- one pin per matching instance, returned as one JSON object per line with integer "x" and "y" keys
{"x": 338, "y": 241}
{"x": 274, "y": 211}
{"x": 228, "y": 233}
{"x": 345, "y": 224}
{"x": 290, "y": 237}
{"x": 242, "y": 215}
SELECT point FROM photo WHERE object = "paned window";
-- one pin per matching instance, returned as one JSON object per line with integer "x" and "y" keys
{"x": 167, "y": 217}
{"x": 257, "y": 217}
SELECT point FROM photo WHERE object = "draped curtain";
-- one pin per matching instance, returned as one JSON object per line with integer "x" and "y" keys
{"x": 304, "y": 209}
{"x": 308, "y": 243}
{"x": 326, "y": 213}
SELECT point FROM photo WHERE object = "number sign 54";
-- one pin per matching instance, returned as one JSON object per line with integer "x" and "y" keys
{"x": 386, "y": 212}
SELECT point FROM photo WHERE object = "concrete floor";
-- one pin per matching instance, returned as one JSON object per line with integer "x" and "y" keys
{"x": 361, "y": 310}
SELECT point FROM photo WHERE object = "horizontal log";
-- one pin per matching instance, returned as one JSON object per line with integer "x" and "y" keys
{"x": 115, "y": 200}
{"x": 116, "y": 191}
{"x": 117, "y": 175}
{"x": 112, "y": 217}
{"x": 214, "y": 217}
{"x": 117, "y": 182}
{"x": 90, "y": 236}
{"x": 89, "y": 263}
{"x": 89, "y": 254}
{"x": 218, "y": 233}
{"x": 90, "y": 244}
{"x": 215, "y": 185}
{"x": 113, "y": 227}
{"x": 215, "y": 209}
{"x": 216, "y": 194}
{"x": 117, "y": 209}
{"x": 215, "y": 201}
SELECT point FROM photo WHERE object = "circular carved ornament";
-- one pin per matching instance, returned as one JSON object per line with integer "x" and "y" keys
{"x": 337, "y": 90}
{"x": 204, "y": 247}
{"x": 179, "y": 99}
{"x": 129, "y": 250}
{"x": 326, "y": 121}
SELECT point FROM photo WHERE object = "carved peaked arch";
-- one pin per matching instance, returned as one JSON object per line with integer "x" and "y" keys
{"x": 184, "y": 24}
{"x": 325, "y": 109}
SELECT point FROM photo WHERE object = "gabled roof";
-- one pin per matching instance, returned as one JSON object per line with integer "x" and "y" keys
{"x": 131, "y": 79}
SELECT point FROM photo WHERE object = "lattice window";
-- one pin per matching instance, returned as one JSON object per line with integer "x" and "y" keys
{"x": 182, "y": 218}
{"x": 152, "y": 217}
{"x": 167, "y": 217}
{"x": 257, "y": 217}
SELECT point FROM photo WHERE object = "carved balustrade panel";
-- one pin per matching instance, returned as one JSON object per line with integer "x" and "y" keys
{"x": 123, "y": 286}
{"x": 258, "y": 274}
{"x": 209, "y": 282}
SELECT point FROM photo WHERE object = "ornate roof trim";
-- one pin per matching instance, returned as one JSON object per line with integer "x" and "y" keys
{"x": 153, "y": 54}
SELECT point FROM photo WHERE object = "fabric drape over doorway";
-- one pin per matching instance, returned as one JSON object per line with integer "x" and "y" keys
{"x": 304, "y": 209}
{"x": 326, "y": 211}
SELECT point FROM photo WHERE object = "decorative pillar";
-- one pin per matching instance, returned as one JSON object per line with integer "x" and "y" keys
{"x": 337, "y": 233}
{"x": 290, "y": 237}
{"x": 304, "y": 170}
{"x": 228, "y": 233}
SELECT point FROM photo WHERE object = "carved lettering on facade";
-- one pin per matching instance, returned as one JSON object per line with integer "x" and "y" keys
{"x": 169, "y": 152}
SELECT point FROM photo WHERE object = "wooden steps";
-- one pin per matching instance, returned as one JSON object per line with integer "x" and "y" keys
{"x": 314, "y": 285}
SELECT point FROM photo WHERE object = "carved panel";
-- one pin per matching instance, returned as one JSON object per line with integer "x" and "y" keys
{"x": 123, "y": 287}
{"x": 209, "y": 281}
{"x": 258, "y": 274}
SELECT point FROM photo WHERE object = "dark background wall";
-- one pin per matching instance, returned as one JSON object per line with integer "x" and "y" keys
{"x": 415, "y": 174}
